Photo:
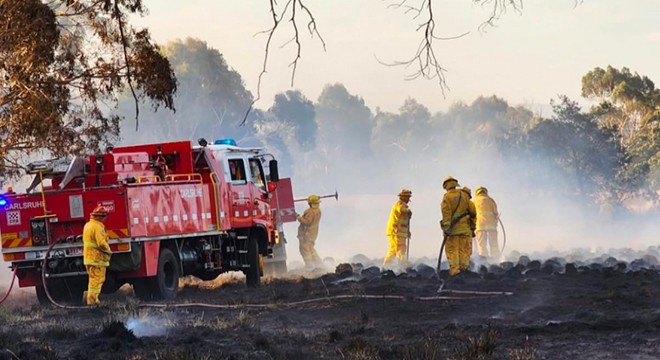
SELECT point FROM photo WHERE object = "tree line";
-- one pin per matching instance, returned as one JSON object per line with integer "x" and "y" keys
{"x": 607, "y": 153}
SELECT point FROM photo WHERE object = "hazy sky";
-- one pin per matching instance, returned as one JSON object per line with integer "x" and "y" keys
{"x": 529, "y": 58}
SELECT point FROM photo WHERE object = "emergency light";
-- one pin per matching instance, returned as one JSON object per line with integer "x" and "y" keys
{"x": 3, "y": 201}
{"x": 231, "y": 142}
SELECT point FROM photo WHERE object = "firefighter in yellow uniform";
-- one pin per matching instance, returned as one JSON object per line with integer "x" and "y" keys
{"x": 487, "y": 217}
{"x": 473, "y": 226}
{"x": 398, "y": 229}
{"x": 96, "y": 253}
{"x": 308, "y": 231}
{"x": 457, "y": 212}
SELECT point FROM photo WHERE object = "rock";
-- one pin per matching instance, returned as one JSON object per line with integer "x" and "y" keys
{"x": 388, "y": 274}
{"x": 370, "y": 272}
{"x": 507, "y": 265}
{"x": 357, "y": 267}
{"x": 621, "y": 266}
{"x": 495, "y": 269}
{"x": 344, "y": 270}
{"x": 534, "y": 265}
{"x": 483, "y": 270}
{"x": 424, "y": 270}
{"x": 570, "y": 269}
{"x": 610, "y": 261}
{"x": 552, "y": 266}
{"x": 524, "y": 260}
{"x": 560, "y": 260}
{"x": 639, "y": 264}
{"x": 595, "y": 266}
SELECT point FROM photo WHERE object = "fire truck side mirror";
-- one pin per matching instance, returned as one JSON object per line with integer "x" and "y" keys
{"x": 274, "y": 172}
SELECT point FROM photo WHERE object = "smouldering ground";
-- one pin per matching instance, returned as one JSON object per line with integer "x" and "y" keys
{"x": 557, "y": 311}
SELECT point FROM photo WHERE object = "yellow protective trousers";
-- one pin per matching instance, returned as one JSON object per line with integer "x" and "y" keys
{"x": 308, "y": 252}
{"x": 459, "y": 250}
{"x": 465, "y": 252}
{"x": 398, "y": 247}
{"x": 485, "y": 238}
{"x": 96, "y": 279}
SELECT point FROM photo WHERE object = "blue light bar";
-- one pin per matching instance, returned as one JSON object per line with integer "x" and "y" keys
{"x": 231, "y": 142}
{"x": 3, "y": 201}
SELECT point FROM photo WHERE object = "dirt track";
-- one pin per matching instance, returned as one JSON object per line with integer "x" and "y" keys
{"x": 590, "y": 312}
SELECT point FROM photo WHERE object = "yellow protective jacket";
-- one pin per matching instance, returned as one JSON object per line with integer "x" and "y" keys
{"x": 399, "y": 222}
{"x": 96, "y": 250}
{"x": 309, "y": 223}
{"x": 457, "y": 207}
{"x": 486, "y": 212}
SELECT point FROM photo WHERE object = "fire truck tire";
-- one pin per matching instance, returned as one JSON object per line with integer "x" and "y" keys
{"x": 253, "y": 273}
{"x": 163, "y": 286}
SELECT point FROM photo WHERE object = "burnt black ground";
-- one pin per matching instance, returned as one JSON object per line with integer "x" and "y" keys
{"x": 579, "y": 312}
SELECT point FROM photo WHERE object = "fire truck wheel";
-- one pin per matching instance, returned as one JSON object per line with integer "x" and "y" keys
{"x": 253, "y": 273}
{"x": 167, "y": 278}
{"x": 163, "y": 286}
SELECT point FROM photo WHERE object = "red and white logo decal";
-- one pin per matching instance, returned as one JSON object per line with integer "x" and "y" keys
{"x": 13, "y": 217}
{"x": 108, "y": 205}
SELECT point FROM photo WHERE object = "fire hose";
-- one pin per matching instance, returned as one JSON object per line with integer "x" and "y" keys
{"x": 44, "y": 282}
{"x": 503, "y": 234}
{"x": 475, "y": 295}
{"x": 11, "y": 285}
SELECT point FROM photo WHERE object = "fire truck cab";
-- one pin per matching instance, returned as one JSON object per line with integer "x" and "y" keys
{"x": 174, "y": 209}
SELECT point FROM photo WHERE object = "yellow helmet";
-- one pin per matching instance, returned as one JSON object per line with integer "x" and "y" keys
{"x": 313, "y": 199}
{"x": 449, "y": 183}
{"x": 480, "y": 190}
{"x": 405, "y": 192}
{"x": 468, "y": 191}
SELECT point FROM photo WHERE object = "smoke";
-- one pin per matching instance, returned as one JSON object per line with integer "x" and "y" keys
{"x": 542, "y": 212}
{"x": 148, "y": 326}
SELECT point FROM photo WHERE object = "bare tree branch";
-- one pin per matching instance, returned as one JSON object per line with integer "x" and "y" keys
{"x": 129, "y": 78}
{"x": 499, "y": 8}
{"x": 424, "y": 60}
{"x": 289, "y": 10}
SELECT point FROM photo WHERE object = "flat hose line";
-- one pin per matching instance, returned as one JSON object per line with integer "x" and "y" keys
{"x": 476, "y": 295}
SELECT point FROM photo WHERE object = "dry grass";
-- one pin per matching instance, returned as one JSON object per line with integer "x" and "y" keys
{"x": 20, "y": 315}
{"x": 179, "y": 355}
{"x": 478, "y": 347}
{"x": 527, "y": 352}
{"x": 243, "y": 320}
{"x": 360, "y": 349}
{"x": 229, "y": 278}
{"x": 428, "y": 349}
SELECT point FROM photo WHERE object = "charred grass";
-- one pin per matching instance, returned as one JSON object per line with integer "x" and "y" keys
{"x": 478, "y": 347}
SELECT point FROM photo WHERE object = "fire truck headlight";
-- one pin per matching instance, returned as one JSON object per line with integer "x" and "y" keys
{"x": 3, "y": 201}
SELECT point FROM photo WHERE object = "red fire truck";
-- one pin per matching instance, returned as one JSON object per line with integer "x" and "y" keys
{"x": 174, "y": 209}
